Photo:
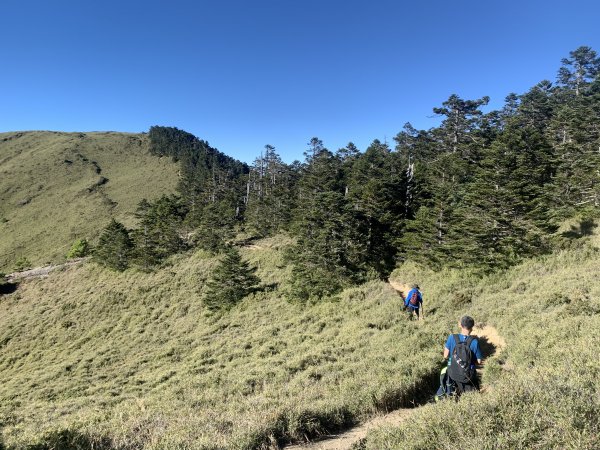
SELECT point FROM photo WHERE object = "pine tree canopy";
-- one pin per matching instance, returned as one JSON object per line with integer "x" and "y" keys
{"x": 483, "y": 189}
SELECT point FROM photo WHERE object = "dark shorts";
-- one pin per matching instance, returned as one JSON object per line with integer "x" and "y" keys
{"x": 410, "y": 311}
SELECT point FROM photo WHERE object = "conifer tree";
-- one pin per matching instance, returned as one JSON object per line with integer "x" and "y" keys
{"x": 377, "y": 195}
{"x": 580, "y": 69}
{"x": 158, "y": 232}
{"x": 269, "y": 194}
{"x": 115, "y": 247}
{"x": 231, "y": 281}
{"x": 461, "y": 119}
{"x": 536, "y": 106}
{"x": 329, "y": 252}
{"x": 215, "y": 227}
{"x": 575, "y": 137}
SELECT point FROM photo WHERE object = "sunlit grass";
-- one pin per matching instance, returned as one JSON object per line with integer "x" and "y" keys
{"x": 543, "y": 390}
{"x": 49, "y": 192}
{"x": 100, "y": 359}
{"x": 105, "y": 355}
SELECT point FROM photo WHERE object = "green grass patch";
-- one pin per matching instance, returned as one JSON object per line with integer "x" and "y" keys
{"x": 135, "y": 360}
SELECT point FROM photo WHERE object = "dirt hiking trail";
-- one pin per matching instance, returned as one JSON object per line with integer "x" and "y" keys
{"x": 41, "y": 272}
{"x": 491, "y": 342}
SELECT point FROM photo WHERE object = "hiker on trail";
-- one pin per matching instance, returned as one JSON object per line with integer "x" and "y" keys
{"x": 413, "y": 301}
{"x": 463, "y": 352}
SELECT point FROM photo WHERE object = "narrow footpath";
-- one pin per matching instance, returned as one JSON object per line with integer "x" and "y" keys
{"x": 41, "y": 272}
{"x": 344, "y": 441}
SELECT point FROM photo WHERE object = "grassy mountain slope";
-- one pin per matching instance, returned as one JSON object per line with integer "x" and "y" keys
{"x": 58, "y": 187}
{"x": 543, "y": 390}
{"x": 89, "y": 358}
{"x": 107, "y": 355}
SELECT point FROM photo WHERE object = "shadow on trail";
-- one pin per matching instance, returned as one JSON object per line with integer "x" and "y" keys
{"x": 487, "y": 348}
{"x": 67, "y": 439}
{"x": 319, "y": 429}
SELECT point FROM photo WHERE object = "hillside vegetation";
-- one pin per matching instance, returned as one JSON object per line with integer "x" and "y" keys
{"x": 484, "y": 189}
{"x": 94, "y": 359}
{"x": 543, "y": 390}
{"x": 132, "y": 359}
{"x": 59, "y": 187}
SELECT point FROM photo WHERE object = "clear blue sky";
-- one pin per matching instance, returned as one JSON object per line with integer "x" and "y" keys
{"x": 242, "y": 74}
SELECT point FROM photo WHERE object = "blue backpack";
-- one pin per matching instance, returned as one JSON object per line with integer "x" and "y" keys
{"x": 414, "y": 299}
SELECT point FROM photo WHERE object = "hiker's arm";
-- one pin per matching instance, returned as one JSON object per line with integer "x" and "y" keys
{"x": 478, "y": 354}
{"x": 446, "y": 352}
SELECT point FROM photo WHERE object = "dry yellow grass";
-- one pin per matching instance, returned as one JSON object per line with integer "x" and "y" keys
{"x": 92, "y": 353}
{"x": 51, "y": 190}
{"x": 545, "y": 392}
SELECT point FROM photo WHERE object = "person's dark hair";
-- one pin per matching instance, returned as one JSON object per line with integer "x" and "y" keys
{"x": 467, "y": 322}
{"x": 415, "y": 286}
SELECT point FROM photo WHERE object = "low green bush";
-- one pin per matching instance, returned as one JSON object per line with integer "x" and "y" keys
{"x": 79, "y": 249}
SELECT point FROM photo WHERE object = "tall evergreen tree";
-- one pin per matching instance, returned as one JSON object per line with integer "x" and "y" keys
{"x": 575, "y": 137}
{"x": 329, "y": 252}
{"x": 231, "y": 281}
{"x": 115, "y": 247}
{"x": 580, "y": 69}
{"x": 461, "y": 119}
{"x": 377, "y": 189}
{"x": 536, "y": 106}
{"x": 269, "y": 194}
{"x": 159, "y": 231}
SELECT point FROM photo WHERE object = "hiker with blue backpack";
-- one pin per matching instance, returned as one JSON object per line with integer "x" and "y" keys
{"x": 413, "y": 302}
{"x": 463, "y": 353}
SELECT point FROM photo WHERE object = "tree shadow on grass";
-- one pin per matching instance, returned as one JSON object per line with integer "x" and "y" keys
{"x": 66, "y": 439}
{"x": 321, "y": 425}
{"x": 8, "y": 288}
{"x": 585, "y": 228}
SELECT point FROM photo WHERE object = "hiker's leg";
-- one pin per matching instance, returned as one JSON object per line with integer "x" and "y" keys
{"x": 458, "y": 390}
{"x": 451, "y": 388}
{"x": 475, "y": 382}
{"x": 469, "y": 387}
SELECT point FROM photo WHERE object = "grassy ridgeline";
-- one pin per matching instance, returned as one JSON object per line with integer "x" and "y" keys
{"x": 59, "y": 187}
{"x": 129, "y": 360}
{"x": 544, "y": 390}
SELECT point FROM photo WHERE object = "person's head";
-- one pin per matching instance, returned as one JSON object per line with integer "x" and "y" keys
{"x": 415, "y": 286}
{"x": 467, "y": 322}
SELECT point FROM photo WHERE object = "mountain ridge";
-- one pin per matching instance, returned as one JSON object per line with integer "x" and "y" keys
{"x": 56, "y": 187}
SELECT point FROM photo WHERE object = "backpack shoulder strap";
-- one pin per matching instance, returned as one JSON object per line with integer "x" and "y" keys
{"x": 456, "y": 338}
{"x": 470, "y": 339}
